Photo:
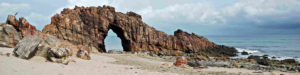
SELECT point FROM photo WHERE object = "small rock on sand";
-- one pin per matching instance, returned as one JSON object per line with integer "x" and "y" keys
{"x": 180, "y": 61}
{"x": 7, "y": 54}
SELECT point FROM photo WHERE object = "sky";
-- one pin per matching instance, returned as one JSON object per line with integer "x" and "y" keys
{"x": 203, "y": 17}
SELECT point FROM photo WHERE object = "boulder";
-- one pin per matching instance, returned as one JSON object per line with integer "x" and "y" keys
{"x": 180, "y": 61}
{"x": 48, "y": 47}
{"x": 245, "y": 53}
{"x": 289, "y": 61}
{"x": 265, "y": 56}
{"x": 83, "y": 53}
{"x": 27, "y": 47}
{"x": 9, "y": 36}
{"x": 58, "y": 55}
{"x": 262, "y": 60}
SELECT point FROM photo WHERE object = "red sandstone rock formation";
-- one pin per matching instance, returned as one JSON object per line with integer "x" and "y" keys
{"x": 30, "y": 42}
{"x": 88, "y": 26}
{"x": 14, "y": 30}
{"x": 22, "y": 26}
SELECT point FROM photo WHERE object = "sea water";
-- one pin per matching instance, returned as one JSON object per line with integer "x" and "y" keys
{"x": 279, "y": 46}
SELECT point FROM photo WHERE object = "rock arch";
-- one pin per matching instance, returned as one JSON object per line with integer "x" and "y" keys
{"x": 89, "y": 26}
{"x": 120, "y": 34}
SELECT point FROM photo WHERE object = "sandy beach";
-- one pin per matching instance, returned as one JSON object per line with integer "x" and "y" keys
{"x": 155, "y": 37}
{"x": 111, "y": 64}
{"x": 98, "y": 65}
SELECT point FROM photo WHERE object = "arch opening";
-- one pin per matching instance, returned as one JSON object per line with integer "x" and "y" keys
{"x": 112, "y": 42}
{"x": 120, "y": 33}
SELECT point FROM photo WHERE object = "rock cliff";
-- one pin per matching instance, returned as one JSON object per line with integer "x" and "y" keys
{"x": 14, "y": 30}
{"x": 29, "y": 42}
{"x": 89, "y": 26}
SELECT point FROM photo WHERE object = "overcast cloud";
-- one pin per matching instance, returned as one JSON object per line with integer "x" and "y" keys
{"x": 204, "y": 17}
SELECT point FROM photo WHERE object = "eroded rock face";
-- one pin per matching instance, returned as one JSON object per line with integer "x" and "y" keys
{"x": 14, "y": 30}
{"x": 29, "y": 42}
{"x": 9, "y": 36}
{"x": 88, "y": 26}
{"x": 21, "y": 25}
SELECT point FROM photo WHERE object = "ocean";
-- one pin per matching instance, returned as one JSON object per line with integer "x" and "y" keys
{"x": 279, "y": 46}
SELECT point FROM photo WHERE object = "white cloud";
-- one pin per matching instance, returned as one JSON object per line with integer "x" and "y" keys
{"x": 197, "y": 14}
{"x": 166, "y": 11}
{"x": 180, "y": 12}
{"x": 258, "y": 10}
{"x": 205, "y": 13}
{"x": 188, "y": 13}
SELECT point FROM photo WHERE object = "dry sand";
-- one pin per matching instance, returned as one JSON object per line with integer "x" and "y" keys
{"x": 110, "y": 64}
{"x": 100, "y": 65}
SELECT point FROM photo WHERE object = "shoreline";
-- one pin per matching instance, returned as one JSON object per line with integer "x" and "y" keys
{"x": 258, "y": 53}
{"x": 161, "y": 67}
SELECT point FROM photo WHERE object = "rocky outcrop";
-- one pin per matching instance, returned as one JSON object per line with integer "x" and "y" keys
{"x": 29, "y": 42}
{"x": 22, "y": 26}
{"x": 46, "y": 46}
{"x": 88, "y": 26}
{"x": 14, "y": 30}
{"x": 40, "y": 45}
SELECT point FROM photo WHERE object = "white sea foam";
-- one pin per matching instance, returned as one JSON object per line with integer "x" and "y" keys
{"x": 285, "y": 57}
{"x": 257, "y": 52}
{"x": 247, "y": 50}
